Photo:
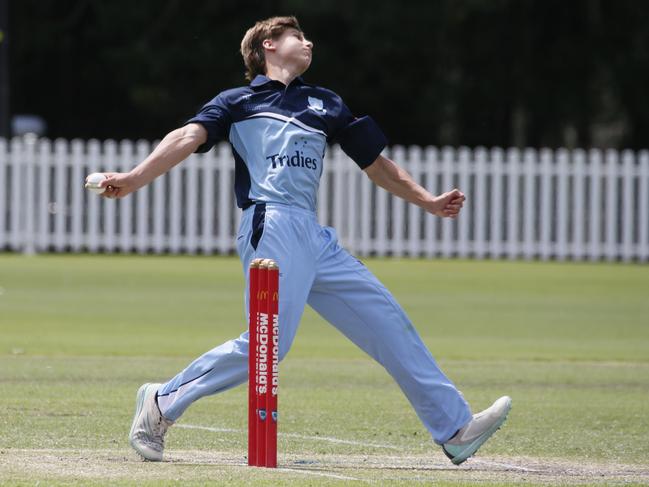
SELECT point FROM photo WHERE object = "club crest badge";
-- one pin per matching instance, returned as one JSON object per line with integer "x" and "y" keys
{"x": 316, "y": 105}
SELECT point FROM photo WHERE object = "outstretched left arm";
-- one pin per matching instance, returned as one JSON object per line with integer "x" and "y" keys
{"x": 397, "y": 181}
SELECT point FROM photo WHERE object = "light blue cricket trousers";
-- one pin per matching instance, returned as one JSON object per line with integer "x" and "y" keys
{"x": 314, "y": 269}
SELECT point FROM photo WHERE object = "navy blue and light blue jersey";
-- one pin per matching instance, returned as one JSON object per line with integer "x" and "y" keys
{"x": 279, "y": 135}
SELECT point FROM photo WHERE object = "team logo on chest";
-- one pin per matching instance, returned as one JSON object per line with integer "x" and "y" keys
{"x": 316, "y": 104}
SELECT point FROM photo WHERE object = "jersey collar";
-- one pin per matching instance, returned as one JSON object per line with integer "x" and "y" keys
{"x": 261, "y": 80}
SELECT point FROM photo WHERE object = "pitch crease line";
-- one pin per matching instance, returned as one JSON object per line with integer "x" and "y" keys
{"x": 504, "y": 465}
{"x": 319, "y": 474}
{"x": 293, "y": 435}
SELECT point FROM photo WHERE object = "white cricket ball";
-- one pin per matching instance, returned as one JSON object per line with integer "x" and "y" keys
{"x": 93, "y": 180}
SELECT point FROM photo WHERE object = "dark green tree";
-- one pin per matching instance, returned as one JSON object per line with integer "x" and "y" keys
{"x": 460, "y": 72}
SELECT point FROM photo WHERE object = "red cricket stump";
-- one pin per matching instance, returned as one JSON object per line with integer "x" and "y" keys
{"x": 253, "y": 318}
{"x": 273, "y": 362}
{"x": 263, "y": 363}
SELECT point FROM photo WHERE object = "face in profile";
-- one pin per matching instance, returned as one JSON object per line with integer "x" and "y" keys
{"x": 292, "y": 48}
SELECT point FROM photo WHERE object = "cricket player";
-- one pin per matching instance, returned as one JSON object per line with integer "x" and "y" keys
{"x": 279, "y": 127}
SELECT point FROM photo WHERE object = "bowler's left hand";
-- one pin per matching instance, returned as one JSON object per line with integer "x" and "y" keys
{"x": 448, "y": 205}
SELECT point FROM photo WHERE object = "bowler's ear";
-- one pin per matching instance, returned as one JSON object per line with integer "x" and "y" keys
{"x": 268, "y": 44}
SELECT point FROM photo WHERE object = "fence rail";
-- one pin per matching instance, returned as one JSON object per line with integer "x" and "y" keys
{"x": 578, "y": 205}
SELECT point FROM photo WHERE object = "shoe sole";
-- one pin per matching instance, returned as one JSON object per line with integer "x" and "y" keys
{"x": 139, "y": 404}
{"x": 478, "y": 442}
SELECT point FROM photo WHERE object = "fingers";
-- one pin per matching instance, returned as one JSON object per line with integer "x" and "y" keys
{"x": 454, "y": 204}
{"x": 111, "y": 192}
{"x": 112, "y": 184}
{"x": 110, "y": 179}
{"x": 450, "y": 213}
{"x": 456, "y": 195}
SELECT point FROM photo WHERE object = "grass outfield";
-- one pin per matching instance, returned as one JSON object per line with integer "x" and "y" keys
{"x": 569, "y": 342}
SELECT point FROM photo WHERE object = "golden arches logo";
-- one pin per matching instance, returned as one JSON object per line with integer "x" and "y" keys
{"x": 262, "y": 294}
{"x": 275, "y": 296}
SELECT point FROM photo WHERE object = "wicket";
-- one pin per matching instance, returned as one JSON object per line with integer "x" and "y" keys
{"x": 263, "y": 363}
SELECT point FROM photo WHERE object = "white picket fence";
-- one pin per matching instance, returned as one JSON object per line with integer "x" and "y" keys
{"x": 527, "y": 204}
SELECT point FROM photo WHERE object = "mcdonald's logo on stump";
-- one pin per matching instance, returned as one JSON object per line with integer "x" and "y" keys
{"x": 263, "y": 362}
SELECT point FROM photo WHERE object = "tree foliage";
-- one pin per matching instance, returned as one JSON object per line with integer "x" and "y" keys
{"x": 459, "y": 72}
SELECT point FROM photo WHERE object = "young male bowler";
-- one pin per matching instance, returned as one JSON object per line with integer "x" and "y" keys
{"x": 279, "y": 127}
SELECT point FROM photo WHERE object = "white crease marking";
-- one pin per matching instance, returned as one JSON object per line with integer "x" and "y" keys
{"x": 293, "y": 435}
{"x": 319, "y": 474}
{"x": 503, "y": 465}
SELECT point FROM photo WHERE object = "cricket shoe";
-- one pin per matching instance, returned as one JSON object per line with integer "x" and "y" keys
{"x": 471, "y": 437}
{"x": 147, "y": 436}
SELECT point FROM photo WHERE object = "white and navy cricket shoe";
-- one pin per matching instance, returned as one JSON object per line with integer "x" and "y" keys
{"x": 149, "y": 425}
{"x": 471, "y": 437}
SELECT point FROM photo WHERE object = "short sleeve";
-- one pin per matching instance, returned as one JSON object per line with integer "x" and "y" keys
{"x": 215, "y": 117}
{"x": 360, "y": 138}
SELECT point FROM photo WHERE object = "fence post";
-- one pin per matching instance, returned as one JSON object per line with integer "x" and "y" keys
{"x": 207, "y": 214}
{"x": 4, "y": 165}
{"x": 529, "y": 213}
{"x": 611, "y": 221}
{"x": 563, "y": 172}
{"x": 628, "y": 211}
{"x": 480, "y": 215}
{"x": 109, "y": 164}
{"x": 430, "y": 222}
{"x": 448, "y": 225}
{"x": 643, "y": 205}
{"x": 595, "y": 205}
{"x": 381, "y": 242}
{"x": 16, "y": 187}
{"x": 175, "y": 216}
{"x": 414, "y": 213}
{"x": 513, "y": 206}
{"x": 77, "y": 190}
{"x": 143, "y": 210}
{"x": 547, "y": 168}
{"x": 159, "y": 188}
{"x": 29, "y": 234}
{"x": 464, "y": 161}
{"x": 578, "y": 203}
{"x": 225, "y": 206}
{"x": 125, "y": 205}
{"x": 93, "y": 204}
{"x": 497, "y": 216}
{"x": 191, "y": 204}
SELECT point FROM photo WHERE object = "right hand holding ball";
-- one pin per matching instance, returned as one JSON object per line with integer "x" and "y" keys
{"x": 92, "y": 182}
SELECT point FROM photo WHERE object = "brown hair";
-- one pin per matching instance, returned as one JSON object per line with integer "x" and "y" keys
{"x": 252, "y": 49}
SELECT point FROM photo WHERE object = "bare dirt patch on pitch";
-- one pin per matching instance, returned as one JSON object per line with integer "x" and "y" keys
{"x": 202, "y": 466}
